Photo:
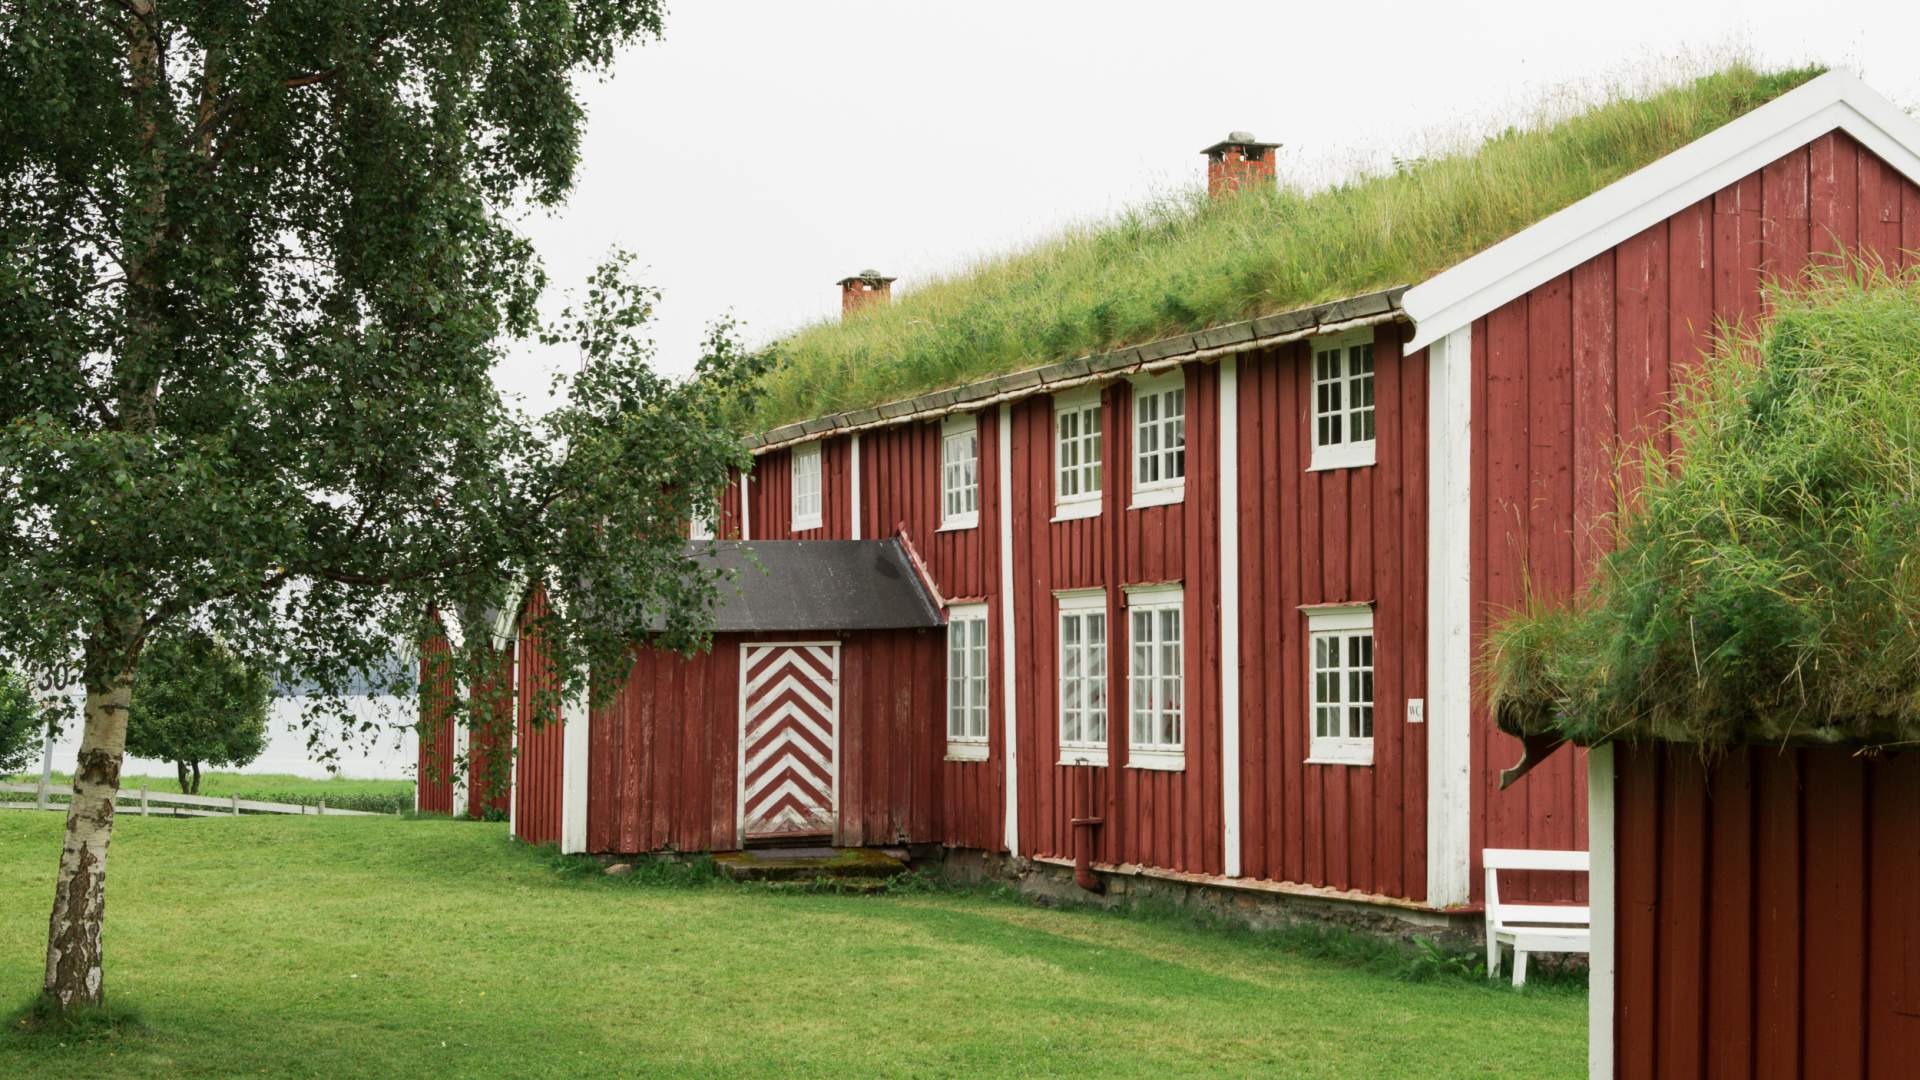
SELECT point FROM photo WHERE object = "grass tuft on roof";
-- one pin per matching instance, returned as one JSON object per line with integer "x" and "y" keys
{"x": 1764, "y": 586}
{"x": 1185, "y": 262}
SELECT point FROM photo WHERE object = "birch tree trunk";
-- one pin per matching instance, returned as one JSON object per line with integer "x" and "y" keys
{"x": 80, "y": 892}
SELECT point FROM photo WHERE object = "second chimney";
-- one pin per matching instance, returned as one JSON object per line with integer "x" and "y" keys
{"x": 1238, "y": 162}
{"x": 863, "y": 288}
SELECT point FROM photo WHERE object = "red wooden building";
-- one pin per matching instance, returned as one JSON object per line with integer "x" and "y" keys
{"x": 1224, "y": 592}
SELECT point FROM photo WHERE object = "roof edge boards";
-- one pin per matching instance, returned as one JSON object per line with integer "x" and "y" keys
{"x": 1350, "y": 313}
{"x": 1837, "y": 100}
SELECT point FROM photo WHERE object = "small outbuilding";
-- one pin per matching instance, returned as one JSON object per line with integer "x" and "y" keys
{"x": 797, "y": 724}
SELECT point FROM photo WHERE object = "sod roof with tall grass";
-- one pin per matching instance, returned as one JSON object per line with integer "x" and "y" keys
{"x": 1764, "y": 586}
{"x": 1186, "y": 262}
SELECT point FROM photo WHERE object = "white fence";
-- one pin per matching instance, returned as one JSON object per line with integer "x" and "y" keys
{"x": 169, "y": 804}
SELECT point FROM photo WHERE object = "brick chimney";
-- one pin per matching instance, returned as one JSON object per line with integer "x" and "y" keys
{"x": 1238, "y": 162}
{"x": 863, "y": 288}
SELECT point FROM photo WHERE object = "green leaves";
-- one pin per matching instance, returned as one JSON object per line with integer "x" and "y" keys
{"x": 257, "y": 266}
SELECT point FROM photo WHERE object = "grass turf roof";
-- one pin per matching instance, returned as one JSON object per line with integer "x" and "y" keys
{"x": 1764, "y": 586}
{"x": 1187, "y": 262}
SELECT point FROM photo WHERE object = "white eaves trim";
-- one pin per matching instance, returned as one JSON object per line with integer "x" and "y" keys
{"x": 1837, "y": 100}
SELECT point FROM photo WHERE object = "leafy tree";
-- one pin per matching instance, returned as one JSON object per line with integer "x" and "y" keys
{"x": 256, "y": 265}
{"x": 196, "y": 703}
{"x": 21, "y": 725}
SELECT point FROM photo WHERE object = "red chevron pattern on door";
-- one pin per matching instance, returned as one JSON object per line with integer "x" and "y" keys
{"x": 789, "y": 739}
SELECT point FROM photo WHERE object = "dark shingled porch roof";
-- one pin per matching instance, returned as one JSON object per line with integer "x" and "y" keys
{"x": 785, "y": 585}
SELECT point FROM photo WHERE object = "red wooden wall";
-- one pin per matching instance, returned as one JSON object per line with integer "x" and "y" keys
{"x": 1766, "y": 922}
{"x": 490, "y": 739}
{"x": 433, "y": 772}
{"x": 772, "y": 494}
{"x": 663, "y": 757}
{"x": 900, "y": 492}
{"x": 1153, "y": 817}
{"x": 1336, "y": 536}
{"x": 538, "y": 780}
{"x": 1566, "y": 373}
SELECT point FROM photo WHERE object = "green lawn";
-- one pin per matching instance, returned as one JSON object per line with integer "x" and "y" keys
{"x": 391, "y": 947}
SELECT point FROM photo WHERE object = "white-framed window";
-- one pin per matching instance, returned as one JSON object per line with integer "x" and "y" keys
{"x": 806, "y": 486}
{"x": 967, "y": 682}
{"x": 1083, "y": 677}
{"x": 1343, "y": 415}
{"x": 1340, "y": 684}
{"x": 960, "y": 472}
{"x": 1160, "y": 439}
{"x": 701, "y": 525}
{"x": 1076, "y": 454}
{"x": 1156, "y": 691}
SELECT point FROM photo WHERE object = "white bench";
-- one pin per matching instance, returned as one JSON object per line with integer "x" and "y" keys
{"x": 1532, "y": 928}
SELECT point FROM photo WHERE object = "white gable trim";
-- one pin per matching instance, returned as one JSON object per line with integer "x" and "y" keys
{"x": 1837, "y": 100}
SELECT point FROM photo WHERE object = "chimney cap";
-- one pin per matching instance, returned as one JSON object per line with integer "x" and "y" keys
{"x": 866, "y": 277}
{"x": 1241, "y": 139}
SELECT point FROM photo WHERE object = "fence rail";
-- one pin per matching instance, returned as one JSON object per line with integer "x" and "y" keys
{"x": 171, "y": 804}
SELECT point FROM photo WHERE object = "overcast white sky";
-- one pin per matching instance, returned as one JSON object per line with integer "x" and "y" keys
{"x": 764, "y": 150}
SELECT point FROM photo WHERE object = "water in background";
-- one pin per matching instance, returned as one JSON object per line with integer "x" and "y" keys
{"x": 386, "y": 754}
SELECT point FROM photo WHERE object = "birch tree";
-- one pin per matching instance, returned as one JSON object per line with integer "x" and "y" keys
{"x": 257, "y": 262}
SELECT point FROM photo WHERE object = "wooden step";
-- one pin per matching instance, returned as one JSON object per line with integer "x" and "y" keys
{"x": 809, "y": 864}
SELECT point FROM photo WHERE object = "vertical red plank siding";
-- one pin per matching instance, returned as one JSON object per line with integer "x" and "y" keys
{"x": 900, "y": 482}
{"x": 539, "y": 782}
{"x": 1766, "y": 925}
{"x": 1168, "y": 819}
{"x": 1344, "y": 535}
{"x": 772, "y": 493}
{"x": 1567, "y": 372}
{"x": 433, "y": 772}
{"x": 485, "y": 742}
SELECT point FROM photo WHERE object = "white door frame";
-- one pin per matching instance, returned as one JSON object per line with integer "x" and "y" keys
{"x": 740, "y": 727}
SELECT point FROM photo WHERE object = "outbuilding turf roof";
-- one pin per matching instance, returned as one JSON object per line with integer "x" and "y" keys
{"x": 1188, "y": 263}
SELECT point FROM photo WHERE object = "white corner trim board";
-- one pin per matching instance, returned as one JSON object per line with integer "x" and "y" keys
{"x": 1003, "y": 484}
{"x": 853, "y": 485}
{"x": 1229, "y": 527}
{"x": 746, "y": 507}
{"x": 1601, "y": 900}
{"x": 1449, "y": 698}
{"x": 573, "y": 777}
{"x": 1836, "y": 100}
{"x": 461, "y": 770}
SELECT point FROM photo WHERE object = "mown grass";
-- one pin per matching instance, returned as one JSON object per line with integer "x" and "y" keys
{"x": 340, "y": 792}
{"x": 388, "y": 947}
{"x": 1184, "y": 262}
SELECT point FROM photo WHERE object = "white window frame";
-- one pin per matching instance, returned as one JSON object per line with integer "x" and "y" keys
{"x": 1078, "y": 605}
{"x": 959, "y": 502}
{"x": 1165, "y": 489}
{"x": 1083, "y": 405}
{"x": 1156, "y": 753}
{"x": 969, "y": 619}
{"x": 1337, "y": 624}
{"x": 808, "y": 499}
{"x": 701, "y": 525}
{"x": 1345, "y": 452}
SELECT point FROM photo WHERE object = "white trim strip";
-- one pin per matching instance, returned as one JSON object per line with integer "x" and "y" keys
{"x": 461, "y": 768}
{"x": 1836, "y": 100}
{"x": 1449, "y": 624}
{"x": 853, "y": 486}
{"x": 573, "y": 777}
{"x": 746, "y": 505}
{"x": 1602, "y": 903}
{"x": 1003, "y": 482}
{"x": 1229, "y": 526}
